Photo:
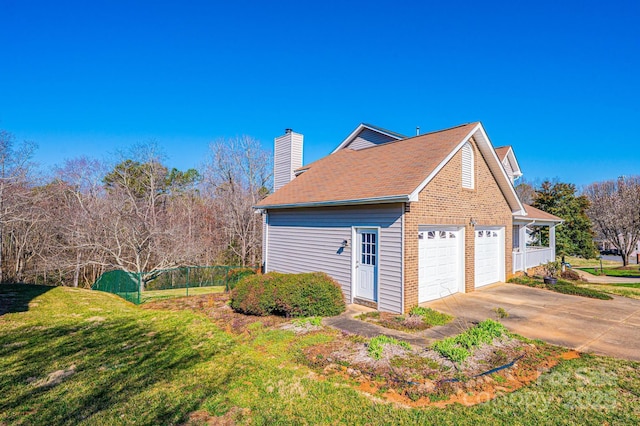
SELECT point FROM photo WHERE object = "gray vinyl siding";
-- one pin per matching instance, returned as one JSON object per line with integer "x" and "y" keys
{"x": 307, "y": 240}
{"x": 367, "y": 138}
{"x": 287, "y": 157}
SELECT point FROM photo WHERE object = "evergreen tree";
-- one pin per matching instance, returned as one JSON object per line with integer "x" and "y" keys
{"x": 575, "y": 236}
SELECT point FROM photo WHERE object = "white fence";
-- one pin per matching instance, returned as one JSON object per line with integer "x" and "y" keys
{"x": 532, "y": 256}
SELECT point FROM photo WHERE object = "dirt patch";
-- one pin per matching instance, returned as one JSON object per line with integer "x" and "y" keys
{"x": 407, "y": 323}
{"x": 227, "y": 419}
{"x": 570, "y": 355}
{"x": 418, "y": 378}
{"x": 55, "y": 378}
{"x": 411, "y": 322}
{"x": 96, "y": 319}
{"x": 216, "y": 307}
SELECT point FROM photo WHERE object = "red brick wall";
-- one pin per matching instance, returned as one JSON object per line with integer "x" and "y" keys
{"x": 444, "y": 202}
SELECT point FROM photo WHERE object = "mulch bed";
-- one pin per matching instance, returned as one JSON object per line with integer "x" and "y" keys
{"x": 424, "y": 378}
{"x": 411, "y": 378}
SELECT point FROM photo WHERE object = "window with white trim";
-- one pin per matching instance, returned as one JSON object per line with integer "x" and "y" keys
{"x": 467, "y": 166}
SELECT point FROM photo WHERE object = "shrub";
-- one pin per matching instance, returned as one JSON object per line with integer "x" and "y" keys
{"x": 311, "y": 294}
{"x": 254, "y": 295}
{"x": 236, "y": 274}
{"x": 291, "y": 295}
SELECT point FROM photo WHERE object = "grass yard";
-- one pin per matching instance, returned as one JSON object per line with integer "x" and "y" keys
{"x": 72, "y": 356}
{"x": 631, "y": 290}
{"x": 579, "y": 262}
{"x": 631, "y": 271}
{"x": 562, "y": 286}
{"x": 153, "y": 295}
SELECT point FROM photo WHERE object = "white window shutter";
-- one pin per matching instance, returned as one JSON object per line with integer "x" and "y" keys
{"x": 467, "y": 166}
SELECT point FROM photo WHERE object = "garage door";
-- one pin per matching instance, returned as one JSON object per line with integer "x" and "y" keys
{"x": 489, "y": 256}
{"x": 439, "y": 263}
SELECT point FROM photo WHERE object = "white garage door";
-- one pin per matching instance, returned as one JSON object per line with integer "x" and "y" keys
{"x": 439, "y": 263}
{"x": 489, "y": 257}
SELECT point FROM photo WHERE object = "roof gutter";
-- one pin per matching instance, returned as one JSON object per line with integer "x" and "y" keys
{"x": 540, "y": 221}
{"x": 356, "y": 202}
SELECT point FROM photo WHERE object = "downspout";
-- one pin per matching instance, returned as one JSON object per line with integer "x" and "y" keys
{"x": 266, "y": 241}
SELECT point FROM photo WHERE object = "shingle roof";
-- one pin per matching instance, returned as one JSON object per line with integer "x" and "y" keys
{"x": 502, "y": 151}
{"x": 534, "y": 213}
{"x": 393, "y": 169}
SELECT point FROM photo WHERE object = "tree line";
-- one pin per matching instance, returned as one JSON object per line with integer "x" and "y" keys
{"x": 134, "y": 213}
{"x": 607, "y": 211}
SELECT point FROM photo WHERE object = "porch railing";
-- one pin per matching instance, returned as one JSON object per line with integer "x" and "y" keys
{"x": 534, "y": 256}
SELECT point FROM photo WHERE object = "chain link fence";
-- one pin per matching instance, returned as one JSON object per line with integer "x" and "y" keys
{"x": 166, "y": 283}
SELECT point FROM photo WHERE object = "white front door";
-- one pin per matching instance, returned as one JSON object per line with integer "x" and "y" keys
{"x": 439, "y": 263}
{"x": 489, "y": 256}
{"x": 367, "y": 264}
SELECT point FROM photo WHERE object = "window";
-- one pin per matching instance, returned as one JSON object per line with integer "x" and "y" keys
{"x": 368, "y": 248}
{"x": 467, "y": 166}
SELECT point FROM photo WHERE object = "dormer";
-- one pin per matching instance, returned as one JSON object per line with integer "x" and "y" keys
{"x": 508, "y": 159}
{"x": 367, "y": 135}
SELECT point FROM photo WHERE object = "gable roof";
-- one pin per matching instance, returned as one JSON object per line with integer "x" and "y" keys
{"x": 505, "y": 152}
{"x": 363, "y": 126}
{"x": 392, "y": 172}
{"x": 502, "y": 151}
{"x": 534, "y": 214}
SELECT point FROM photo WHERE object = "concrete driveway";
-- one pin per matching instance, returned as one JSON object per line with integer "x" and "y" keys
{"x": 604, "y": 327}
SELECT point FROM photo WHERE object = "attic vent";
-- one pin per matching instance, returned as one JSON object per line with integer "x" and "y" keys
{"x": 467, "y": 166}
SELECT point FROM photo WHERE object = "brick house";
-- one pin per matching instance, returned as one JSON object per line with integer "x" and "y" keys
{"x": 398, "y": 220}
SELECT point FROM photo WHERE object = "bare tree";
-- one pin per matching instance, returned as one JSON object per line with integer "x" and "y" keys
{"x": 615, "y": 212}
{"x": 80, "y": 196}
{"x": 237, "y": 176}
{"x": 14, "y": 180}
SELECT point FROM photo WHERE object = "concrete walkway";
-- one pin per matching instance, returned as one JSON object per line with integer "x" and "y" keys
{"x": 347, "y": 323}
{"x": 604, "y": 327}
{"x": 603, "y": 279}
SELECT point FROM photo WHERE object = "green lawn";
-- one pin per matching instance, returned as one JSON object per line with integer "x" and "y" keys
{"x": 149, "y": 296}
{"x": 563, "y": 286}
{"x": 631, "y": 290}
{"x": 72, "y": 356}
{"x": 633, "y": 272}
{"x": 579, "y": 262}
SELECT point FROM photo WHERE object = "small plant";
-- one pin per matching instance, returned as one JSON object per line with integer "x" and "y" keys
{"x": 551, "y": 268}
{"x": 376, "y": 345}
{"x": 366, "y": 315}
{"x": 448, "y": 348}
{"x": 501, "y": 313}
{"x": 430, "y": 316}
{"x": 459, "y": 348}
{"x": 499, "y": 379}
{"x": 314, "y": 321}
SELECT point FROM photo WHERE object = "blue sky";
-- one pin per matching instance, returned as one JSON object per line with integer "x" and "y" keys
{"x": 557, "y": 80}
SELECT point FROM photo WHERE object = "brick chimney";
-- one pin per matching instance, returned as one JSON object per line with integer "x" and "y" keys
{"x": 287, "y": 157}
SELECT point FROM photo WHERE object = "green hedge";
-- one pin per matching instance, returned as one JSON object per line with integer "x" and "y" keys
{"x": 236, "y": 274}
{"x": 290, "y": 295}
